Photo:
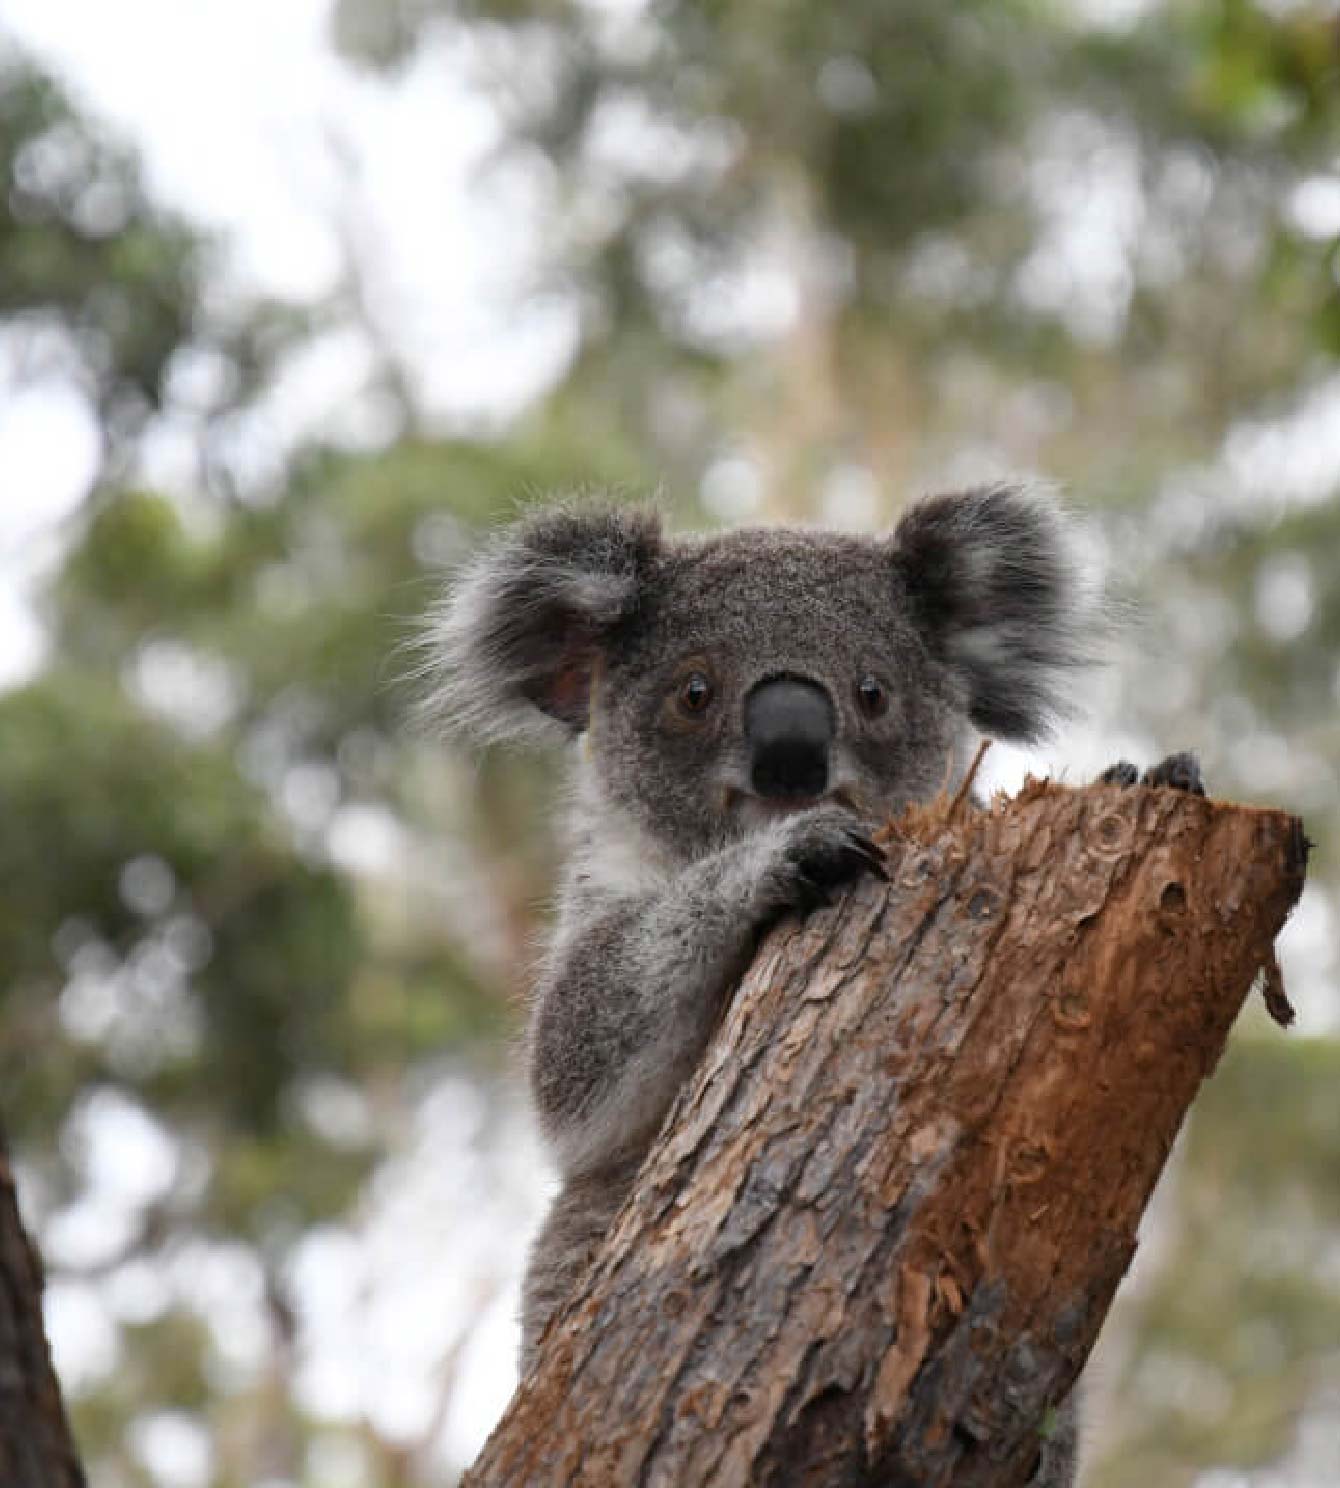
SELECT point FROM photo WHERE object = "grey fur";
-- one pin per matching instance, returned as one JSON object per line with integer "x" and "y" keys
{"x": 586, "y": 619}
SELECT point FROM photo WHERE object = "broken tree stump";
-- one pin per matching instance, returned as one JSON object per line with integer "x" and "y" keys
{"x": 876, "y": 1239}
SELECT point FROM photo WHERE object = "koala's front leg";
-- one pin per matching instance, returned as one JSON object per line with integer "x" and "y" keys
{"x": 625, "y": 1010}
{"x": 631, "y": 998}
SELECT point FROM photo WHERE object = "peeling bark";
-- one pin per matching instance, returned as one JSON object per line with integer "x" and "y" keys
{"x": 36, "y": 1448}
{"x": 876, "y": 1239}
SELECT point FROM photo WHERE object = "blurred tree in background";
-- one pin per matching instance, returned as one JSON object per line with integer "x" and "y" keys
{"x": 261, "y": 944}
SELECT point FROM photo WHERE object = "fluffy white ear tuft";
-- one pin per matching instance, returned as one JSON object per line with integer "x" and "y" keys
{"x": 1007, "y": 596}
{"x": 513, "y": 645}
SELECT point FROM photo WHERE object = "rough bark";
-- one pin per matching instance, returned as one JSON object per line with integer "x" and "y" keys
{"x": 36, "y": 1448}
{"x": 876, "y": 1239}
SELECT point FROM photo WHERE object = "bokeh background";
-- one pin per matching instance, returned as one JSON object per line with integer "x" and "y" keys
{"x": 297, "y": 298}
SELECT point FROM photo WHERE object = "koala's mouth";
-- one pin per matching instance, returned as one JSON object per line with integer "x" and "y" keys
{"x": 754, "y": 810}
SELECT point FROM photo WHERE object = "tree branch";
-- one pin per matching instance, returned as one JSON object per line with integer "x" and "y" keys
{"x": 876, "y": 1239}
{"x": 36, "y": 1449}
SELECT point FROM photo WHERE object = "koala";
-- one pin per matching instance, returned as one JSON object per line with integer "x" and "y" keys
{"x": 744, "y": 708}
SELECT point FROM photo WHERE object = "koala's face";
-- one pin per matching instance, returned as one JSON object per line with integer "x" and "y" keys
{"x": 763, "y": 672}
{"x": 721, "y": 680}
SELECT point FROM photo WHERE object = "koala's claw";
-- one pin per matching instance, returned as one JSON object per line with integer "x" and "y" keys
{"x": 826, "y": 852}
{"x": 868, "y": 851}
{"x": 1178, "y": 771}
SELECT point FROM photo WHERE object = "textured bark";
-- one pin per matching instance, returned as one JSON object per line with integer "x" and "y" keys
{"x": 36, "y": 1449}
{"x": 882, "y": 1226}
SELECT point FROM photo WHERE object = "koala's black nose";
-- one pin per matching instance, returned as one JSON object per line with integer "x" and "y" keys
{"x": 789, "y": 726}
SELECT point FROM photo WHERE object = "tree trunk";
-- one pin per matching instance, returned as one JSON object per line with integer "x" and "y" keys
{"x": 36, "y": 1449}
{"x": 876, "y": 1239}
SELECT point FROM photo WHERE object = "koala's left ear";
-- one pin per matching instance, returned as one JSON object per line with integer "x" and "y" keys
{"x": 1000, "y": 588}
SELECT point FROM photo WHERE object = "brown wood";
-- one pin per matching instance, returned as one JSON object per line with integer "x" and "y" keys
{"x": 36, "y": 1448}
{"x": 882, "y": 1226}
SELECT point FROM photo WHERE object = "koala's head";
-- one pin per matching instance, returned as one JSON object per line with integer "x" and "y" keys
{"x": 721, "y": 680}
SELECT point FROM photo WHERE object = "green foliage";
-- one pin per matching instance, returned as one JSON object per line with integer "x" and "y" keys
{"x": 103, "y": 284}
{"x": 90, "y": 790}
{"x": 77, "y": 241}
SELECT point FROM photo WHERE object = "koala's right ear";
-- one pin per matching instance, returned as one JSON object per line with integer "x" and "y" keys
{"x": 519, "y": 635}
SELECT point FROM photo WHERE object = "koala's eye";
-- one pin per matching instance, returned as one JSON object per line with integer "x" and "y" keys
{"x": 873, "y": 697}
{"x": 695, "y": 692}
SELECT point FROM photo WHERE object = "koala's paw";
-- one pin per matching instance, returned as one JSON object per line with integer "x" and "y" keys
{"x": 820, "y": 851}
{"x": 1178, "y": 771}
